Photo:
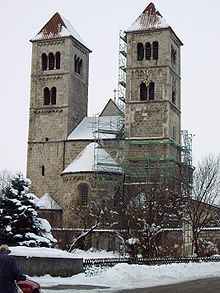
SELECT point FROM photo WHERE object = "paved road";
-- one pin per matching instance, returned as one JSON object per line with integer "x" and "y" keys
{"x": 211, "y": 285}
{"x": 78, "y": 289}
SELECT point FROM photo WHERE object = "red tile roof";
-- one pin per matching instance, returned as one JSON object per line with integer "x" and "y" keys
{"x": 58, "y": 27}
{"x": 151, "y": 9}
{"x": 150, "y": 18}
{"x": 53, "y": 27}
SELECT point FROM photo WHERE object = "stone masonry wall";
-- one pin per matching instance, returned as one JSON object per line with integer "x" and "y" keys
{"x": 71, "y": 196}
{"x": 153, "y": 118}
{"x": 147, "y": 119}
{"x": 50, "y": 125}
{"x": 49, "y": 155}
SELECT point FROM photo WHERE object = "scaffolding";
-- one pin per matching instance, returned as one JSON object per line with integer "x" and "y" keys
{"x": 119, "y": 160}
{"x": 186, "y": 159}
{"x": 139, "y": 161}
{"x": 108, "y": 134}
{"x": 108, "y": 173}
{"x": 149, "y": 159}
{"x": 122, "y": 70}
{"x": 164, "y": 157}
{"x": 186, "y": 144}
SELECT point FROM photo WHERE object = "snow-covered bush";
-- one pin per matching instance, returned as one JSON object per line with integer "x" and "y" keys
{"x": 206, "y": 248}
{"x": 19, "y": 222}
{"x": 133, "y": 247}
{"x": 149, "y": 239}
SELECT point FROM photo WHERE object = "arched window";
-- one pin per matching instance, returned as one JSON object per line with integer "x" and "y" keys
{"x": 43, "y": 170}
{"x": 84, "y": 193}
{"x": 173, "y": 55}
{"x": 46, "y": 96}
{"x": 174, "y": 133}
{"x": 143, "y": 92}
{"x": 53, "y": 95}
{"x": 57, "y": 60}
{"x": 51, "y": 61}
{"x": 140, "y": 51}
{"x": 80, "y": 67}
{"x": 174, "y": 96}
{"x": 75, "y": 63}
{"x": 155, "y": 50}
{"x": 151, "y": 90}
{"x": 148, "y": 51}
{"x": 44, "y": 61}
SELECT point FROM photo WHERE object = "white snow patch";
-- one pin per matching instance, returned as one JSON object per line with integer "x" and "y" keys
{"x": 44, "y": 225}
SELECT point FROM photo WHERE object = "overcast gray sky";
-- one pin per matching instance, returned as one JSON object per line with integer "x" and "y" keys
{"x": 196, "y": 22}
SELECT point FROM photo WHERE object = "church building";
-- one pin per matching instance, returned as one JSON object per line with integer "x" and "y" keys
{"x": 72, "y": 158}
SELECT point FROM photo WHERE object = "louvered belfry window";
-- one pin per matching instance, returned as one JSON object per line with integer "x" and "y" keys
{"x": 50, "y": 96}
{"x": 51, "y": 61}
{"x": 53, "y": 95}
{"x": 143, "y": 92}
{"x": 151, "y": 91}
{"x": 46, "y": 96}
{"x": 155, "y": 50}
{"x": 147, "y": 92}
{"x": 57, "y": 60}
{"x": 78, "y": 64}
{"x": 44, "y": 61}
{"x": 140, "y": 51}
{"x": 148, "y": 51}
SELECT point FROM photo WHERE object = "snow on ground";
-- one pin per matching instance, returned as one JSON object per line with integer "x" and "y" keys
{"x": 122, "y": 275}
{"x": 40, "y": 252}
{"x": 137, "y": 276}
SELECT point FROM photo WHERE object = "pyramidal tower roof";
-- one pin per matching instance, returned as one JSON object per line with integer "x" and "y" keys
{"x": 58, "y": 27}
{"x": 150, "y": 18}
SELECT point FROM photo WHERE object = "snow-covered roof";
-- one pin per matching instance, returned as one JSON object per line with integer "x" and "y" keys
{"x": 58, "y": 27}
{"x": 85, "y": 161}
{"x": 104, "y": 127}
{"x": 150, "y": 18}
{"x": 46, "y": 202}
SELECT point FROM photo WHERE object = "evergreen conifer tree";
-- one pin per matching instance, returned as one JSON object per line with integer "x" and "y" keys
{"x": 19, "y": 221}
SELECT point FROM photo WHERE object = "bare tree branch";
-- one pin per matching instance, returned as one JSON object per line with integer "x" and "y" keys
{"x": 202, "y": 206}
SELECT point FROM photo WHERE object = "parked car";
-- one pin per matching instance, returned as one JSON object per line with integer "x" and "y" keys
{"x": 29, "y": 286}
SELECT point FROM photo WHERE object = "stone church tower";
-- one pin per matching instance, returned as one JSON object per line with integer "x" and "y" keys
{"x": 58, "y": 101}
{"x": 152, "y": 103}
{"x": 68, "y": 152}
